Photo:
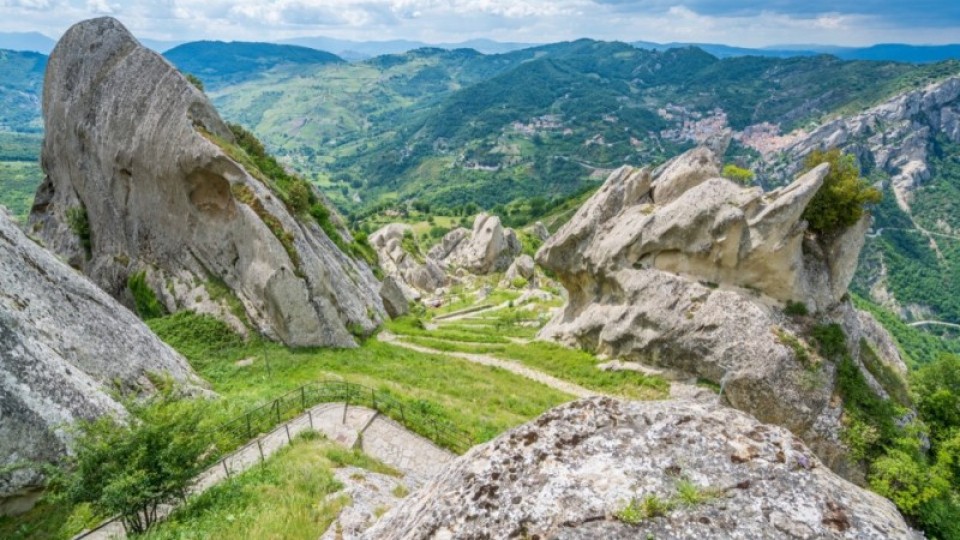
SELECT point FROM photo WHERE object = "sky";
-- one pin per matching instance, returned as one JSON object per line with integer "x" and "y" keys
{"x": 750, "y": 23}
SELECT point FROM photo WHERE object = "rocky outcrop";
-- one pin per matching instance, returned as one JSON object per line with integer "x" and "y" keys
{"x": 395, "y": 301}
{"x": 138, "y": 150}
{"x": 683, "y": 269}
{"x": 488, "y": 248}
{"x": 523, "y": 267}
{"x": 894, "y": 136}
{"x": 684, "y": 219}
{"x": 571, "y": 472}
{"x": 66, "y": 348}
{"x": 400, "y": 257}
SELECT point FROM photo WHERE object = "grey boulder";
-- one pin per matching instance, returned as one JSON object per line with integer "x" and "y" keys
{"x": 570, "y": 472}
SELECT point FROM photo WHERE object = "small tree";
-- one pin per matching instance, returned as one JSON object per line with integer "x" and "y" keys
{"x": 131, "y": 469}
{"x": 737, "y": 174}
{"x": 841, "y": 200}
{"x": 195, "y": 81}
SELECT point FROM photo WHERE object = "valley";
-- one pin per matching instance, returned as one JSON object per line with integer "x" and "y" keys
{"x": 588, "y": 289}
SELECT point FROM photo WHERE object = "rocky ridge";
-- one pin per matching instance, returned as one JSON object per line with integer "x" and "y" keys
{"x": 135, "y": 150}
{"x": 66, "y": 347}
{"x": 681, "y": 268}
{"x": 573, "y": 472}
{"x": 486, "y": 249}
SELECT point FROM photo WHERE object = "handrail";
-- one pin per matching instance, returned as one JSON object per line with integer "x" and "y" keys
{"x": 442, "y": 433}
{"x": 248, "y": 424}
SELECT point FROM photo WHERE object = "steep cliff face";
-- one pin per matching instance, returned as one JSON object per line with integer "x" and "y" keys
{"x": 681, "y": 268}
{"x": 571, "y": 472}
{"x": 65, "y": 346}
{"x": 135, "y": 150}
{"x": 908, "y": 145}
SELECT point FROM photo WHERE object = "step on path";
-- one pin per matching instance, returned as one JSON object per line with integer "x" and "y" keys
{"x": 348, "y": 425}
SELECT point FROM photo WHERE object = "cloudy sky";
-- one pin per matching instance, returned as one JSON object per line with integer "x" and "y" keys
{"x": 735, "y": 22}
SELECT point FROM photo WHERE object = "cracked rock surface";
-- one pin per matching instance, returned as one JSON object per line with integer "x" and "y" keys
{"x": 568, "y": 473}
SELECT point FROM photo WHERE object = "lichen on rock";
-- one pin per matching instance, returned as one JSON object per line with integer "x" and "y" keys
{"x": 693, "y": 470}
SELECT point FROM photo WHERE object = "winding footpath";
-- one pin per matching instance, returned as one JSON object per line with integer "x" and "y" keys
{"x": 348, "y": 425}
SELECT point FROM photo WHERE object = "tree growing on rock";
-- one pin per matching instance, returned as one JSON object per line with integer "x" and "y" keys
{"x": 841, "y": 201}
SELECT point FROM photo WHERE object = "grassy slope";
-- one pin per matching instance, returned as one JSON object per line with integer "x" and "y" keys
{"x": 289, "y": 497}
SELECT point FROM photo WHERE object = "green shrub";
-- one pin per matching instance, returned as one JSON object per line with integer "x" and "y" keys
{"x": 831, "y": 340}
{"x": 841, "y": 200}
{"x": 144, "y": 299}
{"x": 518, "y": 282}
{"x": 737, "y": 174}
{"x": 298, "y": 196}
{"x": 194, "y": 80}
{"x": 796, "y": 309}
{"x": 131, "y": 469}
{"x": 79, "y": 223}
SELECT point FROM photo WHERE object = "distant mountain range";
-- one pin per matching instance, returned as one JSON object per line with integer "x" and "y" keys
{"x": 219, "y": 63}
{"x": 362, "y": 50}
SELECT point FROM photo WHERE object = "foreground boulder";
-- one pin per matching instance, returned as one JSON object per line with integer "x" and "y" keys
{"x": 66, "y": 347}
{"x": 488, "y": 248}
{"x": 682, "y": 268}
{"x": 137, "y": 152}
{"x": 570, "y": 473}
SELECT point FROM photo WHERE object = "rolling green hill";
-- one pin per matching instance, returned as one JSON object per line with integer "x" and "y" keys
{"x": 452, "y": 127}
{"x": 218, "y": 63}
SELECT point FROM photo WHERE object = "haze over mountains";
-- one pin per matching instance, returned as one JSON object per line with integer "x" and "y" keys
{"x": 352, "y": 50}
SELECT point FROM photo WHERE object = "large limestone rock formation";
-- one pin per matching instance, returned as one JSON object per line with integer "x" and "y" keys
{"x": 684, "y": 269}
{"x": 132, "y": 142}
{"x": 415, "y": 273}
{"x": 488, "y": 248}
{"x": 568, "y": 473}
{"x": 65, "y": 348}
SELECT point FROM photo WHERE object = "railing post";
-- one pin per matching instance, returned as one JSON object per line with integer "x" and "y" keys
{"x": 303, "y": 397}
{"x": 310, "y": 416}
{"x": 287, "y": 427}
{"x": 260, "y": 447}
{"x": 276, "y": 406}
{"x": 373, "y": 398}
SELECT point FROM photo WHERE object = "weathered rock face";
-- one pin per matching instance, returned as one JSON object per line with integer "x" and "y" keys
{"x": 568, "y": 473}
{"x": 129, "y": 140}
{"x": 893, "y": 136}
{"x": 394, "y": 299}
{"x": 685, "y": 219}
{"x": 522, "y": 267}
{"x": 414, "y": 276}
{"x": 694, "y": 284}
{"x": 488, "y": 248}
{"x": 64, "y": 346}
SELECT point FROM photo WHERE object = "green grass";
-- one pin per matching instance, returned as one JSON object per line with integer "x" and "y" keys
{"x": 286, "y": 498}
{"x": 581, "y": 367}
{"x": 409, "y": 326}
{"x": 47, "y": 520}
{"x": 480, "y": 400}
{"x": 572, "y": 365}
{"x": 18, "y": 185}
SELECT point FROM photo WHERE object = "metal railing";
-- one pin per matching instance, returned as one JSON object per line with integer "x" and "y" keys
{"x": 246, "y": 429}
{"x": 266, "y": 417}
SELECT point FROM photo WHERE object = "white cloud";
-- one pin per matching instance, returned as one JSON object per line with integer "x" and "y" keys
{"x": 748, "y": 23}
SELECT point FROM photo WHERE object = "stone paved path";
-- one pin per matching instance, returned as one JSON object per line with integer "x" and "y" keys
{"x": 378, "y": 437}
{"x": 513, "y": 367}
